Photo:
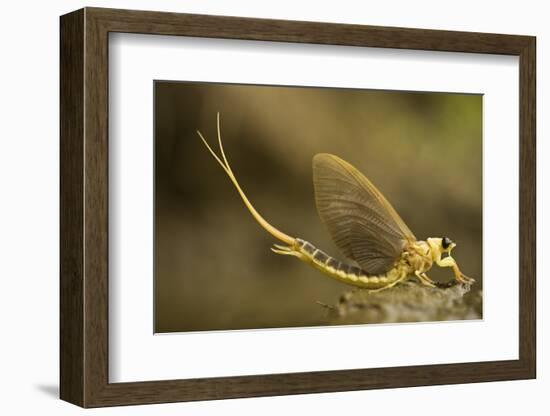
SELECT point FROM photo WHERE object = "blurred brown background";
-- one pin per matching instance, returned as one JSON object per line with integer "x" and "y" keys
{"x": 213, "y": 266}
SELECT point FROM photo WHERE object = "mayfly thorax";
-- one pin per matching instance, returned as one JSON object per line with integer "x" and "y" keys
{"x": 363, "y": 225}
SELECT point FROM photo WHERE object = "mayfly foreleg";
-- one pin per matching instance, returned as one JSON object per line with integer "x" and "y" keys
{"x": 459, "y": 276}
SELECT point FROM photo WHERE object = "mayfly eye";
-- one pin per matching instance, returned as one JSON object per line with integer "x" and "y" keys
{"x": 446, "y": 242}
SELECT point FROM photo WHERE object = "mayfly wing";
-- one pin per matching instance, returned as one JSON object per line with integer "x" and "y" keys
{"x": 362, "y": 223}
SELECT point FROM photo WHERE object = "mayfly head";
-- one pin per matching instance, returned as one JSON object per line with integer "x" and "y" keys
{"x": 447, "y": 245}
{"x": 440, "y": 246}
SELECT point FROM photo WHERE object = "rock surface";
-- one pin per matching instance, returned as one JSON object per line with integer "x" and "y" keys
{"x": 407, "y": 302}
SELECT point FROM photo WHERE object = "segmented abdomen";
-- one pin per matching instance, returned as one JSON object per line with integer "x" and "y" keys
{"x": 345, "y": 272}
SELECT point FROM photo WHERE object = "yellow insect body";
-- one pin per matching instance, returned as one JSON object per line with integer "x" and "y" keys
{"x": 343, "y": 272}
{"x": 363, "y": 225}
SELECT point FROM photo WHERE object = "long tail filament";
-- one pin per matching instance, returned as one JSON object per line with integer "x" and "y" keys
{"x": 227, "y": 168}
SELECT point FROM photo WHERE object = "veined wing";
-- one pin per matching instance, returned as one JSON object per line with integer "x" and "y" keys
{"x": 362, "y": 223}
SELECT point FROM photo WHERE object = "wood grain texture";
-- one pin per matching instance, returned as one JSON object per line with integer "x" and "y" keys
{"x": 527, "y": 208}
{"x": 84, "y": 206}
{"x": 96, "y": 219}
{"x": 72, "y": 215}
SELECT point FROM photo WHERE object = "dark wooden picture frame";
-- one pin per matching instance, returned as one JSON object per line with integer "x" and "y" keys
{"x": 84, "y": 207}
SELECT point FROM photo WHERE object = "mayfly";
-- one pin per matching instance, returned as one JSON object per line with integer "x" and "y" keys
{"x": 364, "y": 226}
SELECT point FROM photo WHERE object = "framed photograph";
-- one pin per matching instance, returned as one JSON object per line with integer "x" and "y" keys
{"x": 255, "y": 207}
